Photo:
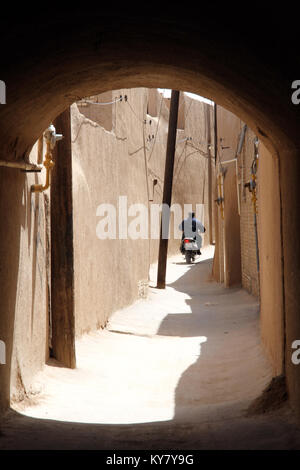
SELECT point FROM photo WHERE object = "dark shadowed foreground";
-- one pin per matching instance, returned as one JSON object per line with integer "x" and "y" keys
{"x": 176, "y": 371}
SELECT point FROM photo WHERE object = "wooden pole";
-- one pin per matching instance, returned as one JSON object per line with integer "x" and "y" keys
{"x": 167, "y": 193}
{"x": 62, "y": 260}
{"x": 209, "y": 174}
{"x": 215, "y": 133}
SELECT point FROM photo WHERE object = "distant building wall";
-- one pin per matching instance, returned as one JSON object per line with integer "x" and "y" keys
{"x": 102, "y": 114}
{"x": 229, "y": 241}
{"x": 129, "y": 161}
{"x": 31, "y": 310}
{"x": 250, "y": 276}
{"x": 270, "y": 256}
{"x": 260, "y": 269}
{"x": 108, "y": 161}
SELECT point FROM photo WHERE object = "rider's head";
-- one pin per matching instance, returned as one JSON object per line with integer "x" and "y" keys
{"x": 192, "y": 214}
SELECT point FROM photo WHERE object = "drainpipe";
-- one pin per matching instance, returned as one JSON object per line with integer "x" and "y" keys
{"x": 51, "y": 139}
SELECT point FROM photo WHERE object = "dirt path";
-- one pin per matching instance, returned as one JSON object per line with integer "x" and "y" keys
{"x": 175, "y": 371}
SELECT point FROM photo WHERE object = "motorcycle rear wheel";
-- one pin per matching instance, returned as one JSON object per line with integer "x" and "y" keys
{"x": 188, "y": 258}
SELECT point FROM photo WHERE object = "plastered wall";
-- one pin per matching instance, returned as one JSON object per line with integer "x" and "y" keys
{"x": 109, "y": 274}
{"x": 236, "y": 240}
{"x": 249, "y": 268}
{"x": 108, "y": 161}
{"x": 23, "y": 321}
{"x": 270, "y": 250}
{"x": 228, "y": 255}
{"x": 127, "y": 161}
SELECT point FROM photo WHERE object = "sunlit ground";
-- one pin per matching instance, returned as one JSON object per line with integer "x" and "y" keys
{"x": 128, "y": 372}
{"x": 189, "y": 352}
{"x": 175, "y": 371}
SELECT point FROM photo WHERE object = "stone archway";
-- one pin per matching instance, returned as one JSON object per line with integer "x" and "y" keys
{"x": 52, "y": 62}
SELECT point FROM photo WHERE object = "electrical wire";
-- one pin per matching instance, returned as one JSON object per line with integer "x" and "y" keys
{"x": 159, "y": 180}
{"x": 136, "y": 151}
{"x": 101, "y": 104}
{"x": 202, "y": 153}
{"x": 181, "y": 140}
{"x": 143, "y": 121}
{"x": 176, "y": 171}
{"x": 159, "y": 114}
{"x": 203, "y": 193}
{"x": 186, "y": 114}
{"x": 83, "y": 122}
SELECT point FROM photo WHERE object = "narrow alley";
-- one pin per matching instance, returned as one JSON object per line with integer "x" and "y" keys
{"x": 128, "y": 138}
{"x": 187, "y": 358}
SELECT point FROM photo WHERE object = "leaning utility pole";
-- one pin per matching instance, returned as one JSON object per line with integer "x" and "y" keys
{"x": 209, "y": 174}
{"x": 167, "y": 193}
{"x": 215, "y": 133}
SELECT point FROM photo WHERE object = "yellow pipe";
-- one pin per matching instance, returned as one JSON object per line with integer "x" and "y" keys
{"x": 254, "y": 197}
{"x": 221, "y": 195}
{"x": 48, "y": 164}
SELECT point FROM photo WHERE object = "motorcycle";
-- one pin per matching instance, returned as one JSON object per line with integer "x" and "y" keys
{"x": 189, "y": 249}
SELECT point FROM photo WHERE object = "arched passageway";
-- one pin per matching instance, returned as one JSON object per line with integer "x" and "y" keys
{"x": 44, "y": 73}
{"x": 177, "y": 370}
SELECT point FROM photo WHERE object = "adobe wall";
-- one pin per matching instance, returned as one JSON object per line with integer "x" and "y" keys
{"x": 113, "y": 50}
{"x": 115, "y": 164}
{"x": 100, "y": 180}
{"x": 235, "y": 261}
{"x": 106, "y": 165}
{"x": 270, "y": 257}
{"x": 236, "y": 241}
{"x": 190, "y": 179}
{"x": 112, "y": 164}
{"x": 250, "y": 275}
{"x": 101, "y": 115}
{"x": 229, "y": 254}
{"x": 23, "y": 251}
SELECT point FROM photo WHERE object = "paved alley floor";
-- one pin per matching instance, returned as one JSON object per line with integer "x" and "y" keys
{"x": 174, "y": 371}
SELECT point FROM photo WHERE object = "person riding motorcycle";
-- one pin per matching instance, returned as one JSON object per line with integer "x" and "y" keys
{"x": 191, "y": 228}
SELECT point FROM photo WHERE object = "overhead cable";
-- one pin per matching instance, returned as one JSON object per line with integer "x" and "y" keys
{"x": 102, "y": 104}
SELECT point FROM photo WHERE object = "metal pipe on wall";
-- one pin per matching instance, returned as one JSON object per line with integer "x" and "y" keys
{"x": 20, "y": 165}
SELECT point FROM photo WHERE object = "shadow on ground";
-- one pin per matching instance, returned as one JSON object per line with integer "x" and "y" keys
{"x": 211, "y": 397}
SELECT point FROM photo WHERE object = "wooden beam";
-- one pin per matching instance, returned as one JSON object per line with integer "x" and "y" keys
{"x": 167, "y": 193}
{"x": 62, "y": 259}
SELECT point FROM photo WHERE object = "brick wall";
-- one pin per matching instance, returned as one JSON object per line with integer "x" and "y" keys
{"x": 236, "y": 245}
{"x": 250, "y": 279}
